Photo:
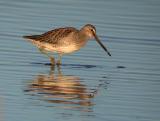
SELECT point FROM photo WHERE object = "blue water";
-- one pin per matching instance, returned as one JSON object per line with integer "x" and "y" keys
{"x": 90, "y": 85}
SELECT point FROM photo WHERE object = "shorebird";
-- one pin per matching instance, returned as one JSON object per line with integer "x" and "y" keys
{"x": 64, "y": 40}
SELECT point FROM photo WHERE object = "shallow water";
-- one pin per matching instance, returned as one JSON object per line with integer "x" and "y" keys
{"x": 89, "y": 85}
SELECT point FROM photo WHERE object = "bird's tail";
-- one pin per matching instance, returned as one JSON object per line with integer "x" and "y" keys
{"x": 32, "y": 37}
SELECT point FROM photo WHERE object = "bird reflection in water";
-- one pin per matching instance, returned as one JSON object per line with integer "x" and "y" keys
{"x": 62, "y": 89}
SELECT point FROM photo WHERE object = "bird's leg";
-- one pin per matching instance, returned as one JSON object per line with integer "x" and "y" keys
{"x": 59, "y": 59}
{"x": 59, "y": 70}
{"x": 52, "y": 60}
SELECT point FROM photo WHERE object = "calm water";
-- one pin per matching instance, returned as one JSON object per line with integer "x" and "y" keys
{"x": 89, "y": 86}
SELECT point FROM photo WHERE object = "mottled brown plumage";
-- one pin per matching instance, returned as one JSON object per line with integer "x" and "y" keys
{"x": 64, "y": 40}
{"x": 52, "y": 36}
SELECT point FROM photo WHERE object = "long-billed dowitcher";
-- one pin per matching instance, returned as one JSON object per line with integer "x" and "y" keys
{"x": 64, "y": 40}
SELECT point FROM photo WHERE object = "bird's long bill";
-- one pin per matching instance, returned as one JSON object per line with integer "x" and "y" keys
{"x": 100, "y": 43}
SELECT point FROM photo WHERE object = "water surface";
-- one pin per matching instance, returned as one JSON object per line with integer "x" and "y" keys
{"x": 89, "y": 85}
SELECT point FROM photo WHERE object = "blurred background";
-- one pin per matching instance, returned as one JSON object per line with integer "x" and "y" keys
{"x": 90, "y": 85}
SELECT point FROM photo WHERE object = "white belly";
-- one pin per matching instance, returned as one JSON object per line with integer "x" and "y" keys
{"x": 66, "y": 49}
{"x": 61, "y": 49}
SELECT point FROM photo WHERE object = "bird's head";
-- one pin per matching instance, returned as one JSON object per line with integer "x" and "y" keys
{"x": 90, "y": 32}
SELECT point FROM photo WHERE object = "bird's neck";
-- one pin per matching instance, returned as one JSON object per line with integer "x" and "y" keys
{"x": 83, "y": 35}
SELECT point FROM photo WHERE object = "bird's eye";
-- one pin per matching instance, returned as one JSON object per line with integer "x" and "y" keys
{"x": 93, "y": 30}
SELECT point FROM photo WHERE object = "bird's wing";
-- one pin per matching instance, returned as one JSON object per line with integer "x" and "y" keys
{"x": 53, "y": 36}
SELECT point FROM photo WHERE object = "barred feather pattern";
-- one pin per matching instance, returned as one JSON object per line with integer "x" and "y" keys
{"x": 54, "y": 36}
